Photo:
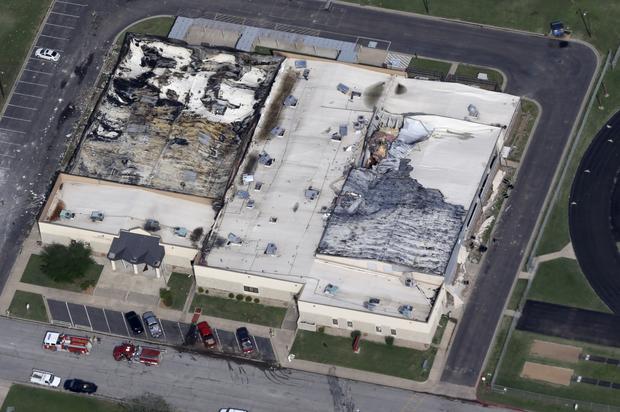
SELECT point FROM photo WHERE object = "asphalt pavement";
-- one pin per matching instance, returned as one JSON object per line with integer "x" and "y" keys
{"x": 202, "y": 383}
{"x": 594, "y": 214}
{"x": 536, "y": 67}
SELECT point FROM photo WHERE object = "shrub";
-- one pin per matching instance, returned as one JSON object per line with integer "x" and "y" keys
{"x": 166, "y": 296}
{"x": 66, "y": 263}
{"x": 201, "y": 289}
{"x": 239, "y": 296}
{"x": 231, "y": 295}
{"x": 206, "y": 291}
{"x": 256, "y": 300}
{"x": 321, "y": 329}
{"x": 355, "y": 334}
{"x": 248, "y": 298}
{"x": 389, "y": 340}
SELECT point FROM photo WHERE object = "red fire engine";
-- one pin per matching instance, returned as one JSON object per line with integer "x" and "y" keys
{"x": 136, "y": 353}
{"x": 56, "y": 341}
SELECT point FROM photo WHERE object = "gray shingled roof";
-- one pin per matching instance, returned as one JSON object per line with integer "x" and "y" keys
{"x": 137, "y": 249}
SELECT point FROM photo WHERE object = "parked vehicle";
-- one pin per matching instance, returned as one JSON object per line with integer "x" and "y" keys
{"x": 245, "y": 341}
{"x": 137, "y": 353}
{"x": 56, "y": 341}
{"x": 134, "y": 323}
{"x": 152, "y": 324}
{"x": 44, "y": 378}
{"x": 47, "y": 54}
{"x": 80, "y": 386}
{"x": 206, "y": 334}
{"x": 232, "y": 410}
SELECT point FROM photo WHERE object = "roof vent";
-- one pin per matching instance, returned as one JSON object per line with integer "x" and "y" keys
{"x": 406, "y": 311}
{"x": 250, "y": 204}
{"x": 278, "y": 131}
{"x": 180, "y": 231}
{"x": 243, "y": 194}
{"x": 473, "y": 111}
{"x": 271, "y": 249}
{"x": 290, "y": 101}
{"x": 96, "y": 216}
{"x": 342, "y": 88}
{"x": 151, "y": 225}
{"x": 265, "y": 159}
{"x": 410, "y": 283}
{"x": 67, "y": 214}
{"x": 306, "y": 74}
{"x": 234, "y": 239}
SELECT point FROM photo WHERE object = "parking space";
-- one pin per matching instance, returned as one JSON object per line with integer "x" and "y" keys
{"x": 59, "y": 311}
{"x": 116, "y": 322}
{"x": 98, "y": 319}
{"x": 78, "y": 315}
{"x": 172, "y": 331}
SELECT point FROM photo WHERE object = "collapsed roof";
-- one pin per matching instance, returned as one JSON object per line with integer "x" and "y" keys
{"x": 175, "y": 117}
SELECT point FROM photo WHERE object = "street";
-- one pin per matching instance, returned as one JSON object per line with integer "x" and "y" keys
{"x": 198, "y": 383}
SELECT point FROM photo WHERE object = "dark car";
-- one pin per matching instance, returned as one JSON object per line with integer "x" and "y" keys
{"x": 133, "y": 320}
{"x": 80, "y": 386}
{"x": 245, "y": 341}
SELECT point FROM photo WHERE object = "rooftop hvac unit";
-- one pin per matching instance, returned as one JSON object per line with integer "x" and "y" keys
{"x": 410, "y": 283}
{"x": 406, "y": 311}
{"x": 278, "y": 131}
{"x": 96, "y": 216}
{"x": 180, "y": 231}
{"x": 306, "y": 74}
{"x": 243, "y": 194}
{"x": 151, "y": 225}
{"x": 271, "y": 249}
{"x": 265, "y": 159}
{"x": 247, "y": 178}
{"x": 311, "y": 193}
{"x": 342, "y": 88}
{"x": 330, "y": 289}
{"x": 301, "y": 64}
{"x": 234, "y": 239}
{"x": 250, "y": 204}
{"x": 290, "y": 101}
{"x": 372, "y": 303}
{"x": 67, "y": 214}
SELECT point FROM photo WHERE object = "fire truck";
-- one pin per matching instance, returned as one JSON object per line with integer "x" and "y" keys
{"x": 136, "y": 353}
{"x": 56, "y": 341}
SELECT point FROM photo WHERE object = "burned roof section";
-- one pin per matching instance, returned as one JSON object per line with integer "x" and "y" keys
{"x": 391, "y": 217}
{"x": 175, "y": 117}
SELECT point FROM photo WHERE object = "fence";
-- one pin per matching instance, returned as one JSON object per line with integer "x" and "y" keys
{"x": 557, "y": 402}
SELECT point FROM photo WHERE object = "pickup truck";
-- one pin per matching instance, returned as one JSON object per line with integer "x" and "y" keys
{"x": 44, "y": 378}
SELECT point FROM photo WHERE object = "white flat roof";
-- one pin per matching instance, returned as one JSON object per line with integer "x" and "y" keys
{"x": 127, "y": 207}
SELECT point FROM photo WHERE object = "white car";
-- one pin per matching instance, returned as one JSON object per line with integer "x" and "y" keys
{"x": 47, "y": 54}
{"x": 44, "y": 378}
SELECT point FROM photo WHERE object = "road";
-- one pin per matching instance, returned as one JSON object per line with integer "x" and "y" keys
{"x": 536, "y": 67}
{"x": 201, "y": 383}
{"x": 594, "y": 214}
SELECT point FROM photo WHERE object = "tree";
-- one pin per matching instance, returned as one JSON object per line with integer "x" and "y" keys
{"x": 66, "y": 263}
{"x": 147, "y": 402}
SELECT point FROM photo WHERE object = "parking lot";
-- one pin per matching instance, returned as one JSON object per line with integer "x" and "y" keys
{"x": 31, "y": 89}
{"x": 174, "y": 333}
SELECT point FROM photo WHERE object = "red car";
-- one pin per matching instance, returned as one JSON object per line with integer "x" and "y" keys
{"x": 206, "y": 334}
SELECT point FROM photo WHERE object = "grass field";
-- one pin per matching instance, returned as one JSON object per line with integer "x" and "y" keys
{"x": 518, "y": 352}
{"x": 34, "y": 275}
{"x": 472, "y": 71}
{"x": 26, "y": 398}
{"x": 428, "y": 64}
{"x": 560, "y": 281}
{"x": 239, "y": 310}
{"x": 529, "y": 114}
{"x": 373, "y": 357}
{"x": 496, "y": 349}
{"x": 19, "y": 21}
{"x": 36, "y": 311}
{"x": 517, "y": 294}
{"x": 158, "y": 26}
{"x": 179, "y": 284}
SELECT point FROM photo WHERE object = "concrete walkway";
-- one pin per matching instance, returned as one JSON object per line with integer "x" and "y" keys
{"x": 566, "y": 252}
{"x": 4, "y": 389}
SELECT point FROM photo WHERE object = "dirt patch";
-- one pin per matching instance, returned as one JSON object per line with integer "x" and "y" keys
{"x": 546, "y": 373}
{"x": 556, "y": 351}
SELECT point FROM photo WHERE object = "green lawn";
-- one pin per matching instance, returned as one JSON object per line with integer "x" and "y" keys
{"x": 239, "y": 310}
{"x": 34, "y": 275}
{"x": 36, "y": 311}
{"x": 179, "y": 284}
{"x": 26, "y": 398}
{"x": 560, "y": 281}
{"x": 518, "y": 352}
{"x": 527, "y": 119}
{"x": 500, "y": 338}
{"x": 432, "y": 65}
{"x": 19, "y": 21}
{"x": 373, "y": 357}
{"x": 517, "y": 294}
{"x": 472, "y": 71}
{"x": 158, "y": 26}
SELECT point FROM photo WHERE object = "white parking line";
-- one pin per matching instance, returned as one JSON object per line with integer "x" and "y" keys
{"x": 181, "y": 332}
{"x": 53, "y": 37}
{"x": 15, "y": 118}
{"x": 73, "y": 4}
{"x": 60, "y": 25}
{"x": 106, "y": 320}
{"x": 37, "y": 71}
{"x": 255, "y": 344}
{"x": 217, "y": 338}
{"x": 11, "y": 130}
{"x": 125, "y": 323}
{"x": 21, "y": 107}
{"x": 29, "y": 95}
{"x": 6, "y": 155}
{"x": 64, "y": 14}
{"x": 89, "y": 322}
{"x": 36, "y": 84}
{"x": 14, "y": 144}
{"x": 69, "y": 312}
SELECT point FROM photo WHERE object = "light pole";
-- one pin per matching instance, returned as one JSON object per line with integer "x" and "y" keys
{"x": 583, "y": 14}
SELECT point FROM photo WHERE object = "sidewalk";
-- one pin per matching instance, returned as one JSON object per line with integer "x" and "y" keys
{"x": 4, "y": 389}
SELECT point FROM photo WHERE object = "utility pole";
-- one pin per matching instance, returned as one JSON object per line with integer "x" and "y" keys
{"x": 427, "y": 6}
{"x": 1, "y": 86}
{"x": 583, "y": 14}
